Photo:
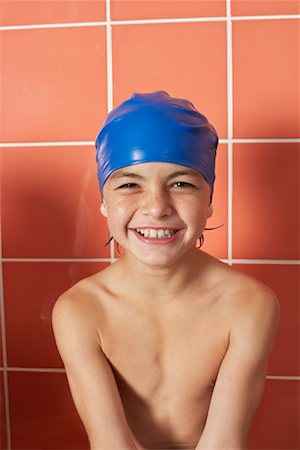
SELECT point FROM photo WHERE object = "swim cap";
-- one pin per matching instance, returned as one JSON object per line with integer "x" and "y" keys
{"x": 155, "y": 127}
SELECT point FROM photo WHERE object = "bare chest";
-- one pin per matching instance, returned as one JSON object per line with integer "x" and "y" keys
{"x": 156, "y": 354}
{"x": 165, "y": 362}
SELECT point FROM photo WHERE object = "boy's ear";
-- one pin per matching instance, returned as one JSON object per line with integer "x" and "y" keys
{"x": 103, "y": 208}
{"x": 210, "y": 210}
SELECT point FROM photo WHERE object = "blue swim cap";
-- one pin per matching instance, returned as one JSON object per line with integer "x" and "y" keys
{"x": 155, "y": 127}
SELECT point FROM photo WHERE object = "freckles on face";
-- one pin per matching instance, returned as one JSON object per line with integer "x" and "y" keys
{"x": 170, "y": 190}
{"x": 158, "y": 195}
{"x": 118, "y": 212}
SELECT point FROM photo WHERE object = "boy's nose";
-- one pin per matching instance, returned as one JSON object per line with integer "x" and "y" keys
{"x": 157, "y": 205}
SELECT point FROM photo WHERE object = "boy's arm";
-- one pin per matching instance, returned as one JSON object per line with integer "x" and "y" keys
{"x": 240, "y": 382}
{"x": 91, "y": 380}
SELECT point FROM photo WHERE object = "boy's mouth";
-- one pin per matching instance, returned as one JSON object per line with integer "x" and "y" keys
{"x": 161, "y": 233}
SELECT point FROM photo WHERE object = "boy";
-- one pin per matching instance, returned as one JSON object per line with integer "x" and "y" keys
{"x": 168, "y": 347}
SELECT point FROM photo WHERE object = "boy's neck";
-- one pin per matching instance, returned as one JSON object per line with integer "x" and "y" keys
{"x": 163, "y": 284}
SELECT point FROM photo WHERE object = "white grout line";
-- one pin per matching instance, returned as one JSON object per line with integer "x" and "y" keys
{"x": 92, "y": 143}
{"x": 56, "y": 260}
{"x": 282, "y": 377}
{"x": 230, "y": 201}
{"x": 109, "y": 59}
{"x": 109, "y": 69}
{"x": 51, "y": 25}
{"x": 266, "y": 141}
{"x": 267, "y": 261}
{"x": 168, "y": 21}
{"x": 62, "y": 370}
{"x": 4, "y": 349}
{"x": 230, "y": 126}
{"x": 147, "y": 21}
{"x": 47, "y": 144}
{"x": 34, "y": 369}
{"x": 293, "y": 262}
{"x": 267, "y": 17}
{"x": 204, "y": 19}
{"x": 113, "y": 259}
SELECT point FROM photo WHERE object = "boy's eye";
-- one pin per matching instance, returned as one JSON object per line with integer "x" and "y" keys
{"x": 183, "y": 184}
{"x": 127, "y": 185}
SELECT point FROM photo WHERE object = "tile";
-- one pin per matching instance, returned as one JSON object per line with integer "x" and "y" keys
{"x": 216, "y": 241}
{"x": 187, "y": 60}
{"x": 266, "y": 79}
{"x": 165, "y": 9}
{"x": 54, "y": 84}
{"x": 50, "y": 203}
{"x": 30, "y": 291}
{"x": 43, "y": 415}
{"x": 266, "y": 200}
{"x": 276, "y": 424}
{"x": 1, "y": 343}
{"x": 3, "y": 429}
{"x": 264, "y": 7}
{"x": 43, "y": 12}
{"x": 284, "y": 280}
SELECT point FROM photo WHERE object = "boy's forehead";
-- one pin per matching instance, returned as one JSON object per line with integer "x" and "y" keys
{"x": 149, "y": 169}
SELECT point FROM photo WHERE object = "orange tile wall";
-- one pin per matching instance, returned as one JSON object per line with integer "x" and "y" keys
{"x": 64, "y": 65}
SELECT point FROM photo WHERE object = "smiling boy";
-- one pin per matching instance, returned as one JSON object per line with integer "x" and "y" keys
{"x": 167, "y": 348}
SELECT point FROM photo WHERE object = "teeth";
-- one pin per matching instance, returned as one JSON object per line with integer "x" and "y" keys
{"x": 161, "y": 234}
{"x": 155, "y": 234}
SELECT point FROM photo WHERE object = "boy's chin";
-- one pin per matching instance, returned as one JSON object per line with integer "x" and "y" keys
{"x": 161, "y": 261}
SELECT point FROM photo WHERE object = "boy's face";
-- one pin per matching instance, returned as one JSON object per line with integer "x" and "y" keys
{"x": 156, "y": 211}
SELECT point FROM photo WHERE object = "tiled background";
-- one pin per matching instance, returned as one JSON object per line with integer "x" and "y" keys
{"x": 64, "y": 65}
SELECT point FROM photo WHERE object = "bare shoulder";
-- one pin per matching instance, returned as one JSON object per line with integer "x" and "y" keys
{"x": 243, "y": 294}
{"x": 78, "y": 298}
{"x": 79, "y": 309}
{"x": 252, "y": 295}
{"x": 250, "y": 311}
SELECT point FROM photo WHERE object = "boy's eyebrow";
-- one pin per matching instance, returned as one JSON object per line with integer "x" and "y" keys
{"x": 117, "y": 175}
{"x": 178, "y": 173}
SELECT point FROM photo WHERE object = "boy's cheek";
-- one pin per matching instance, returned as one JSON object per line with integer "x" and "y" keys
{"x": 118, "y": 213}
